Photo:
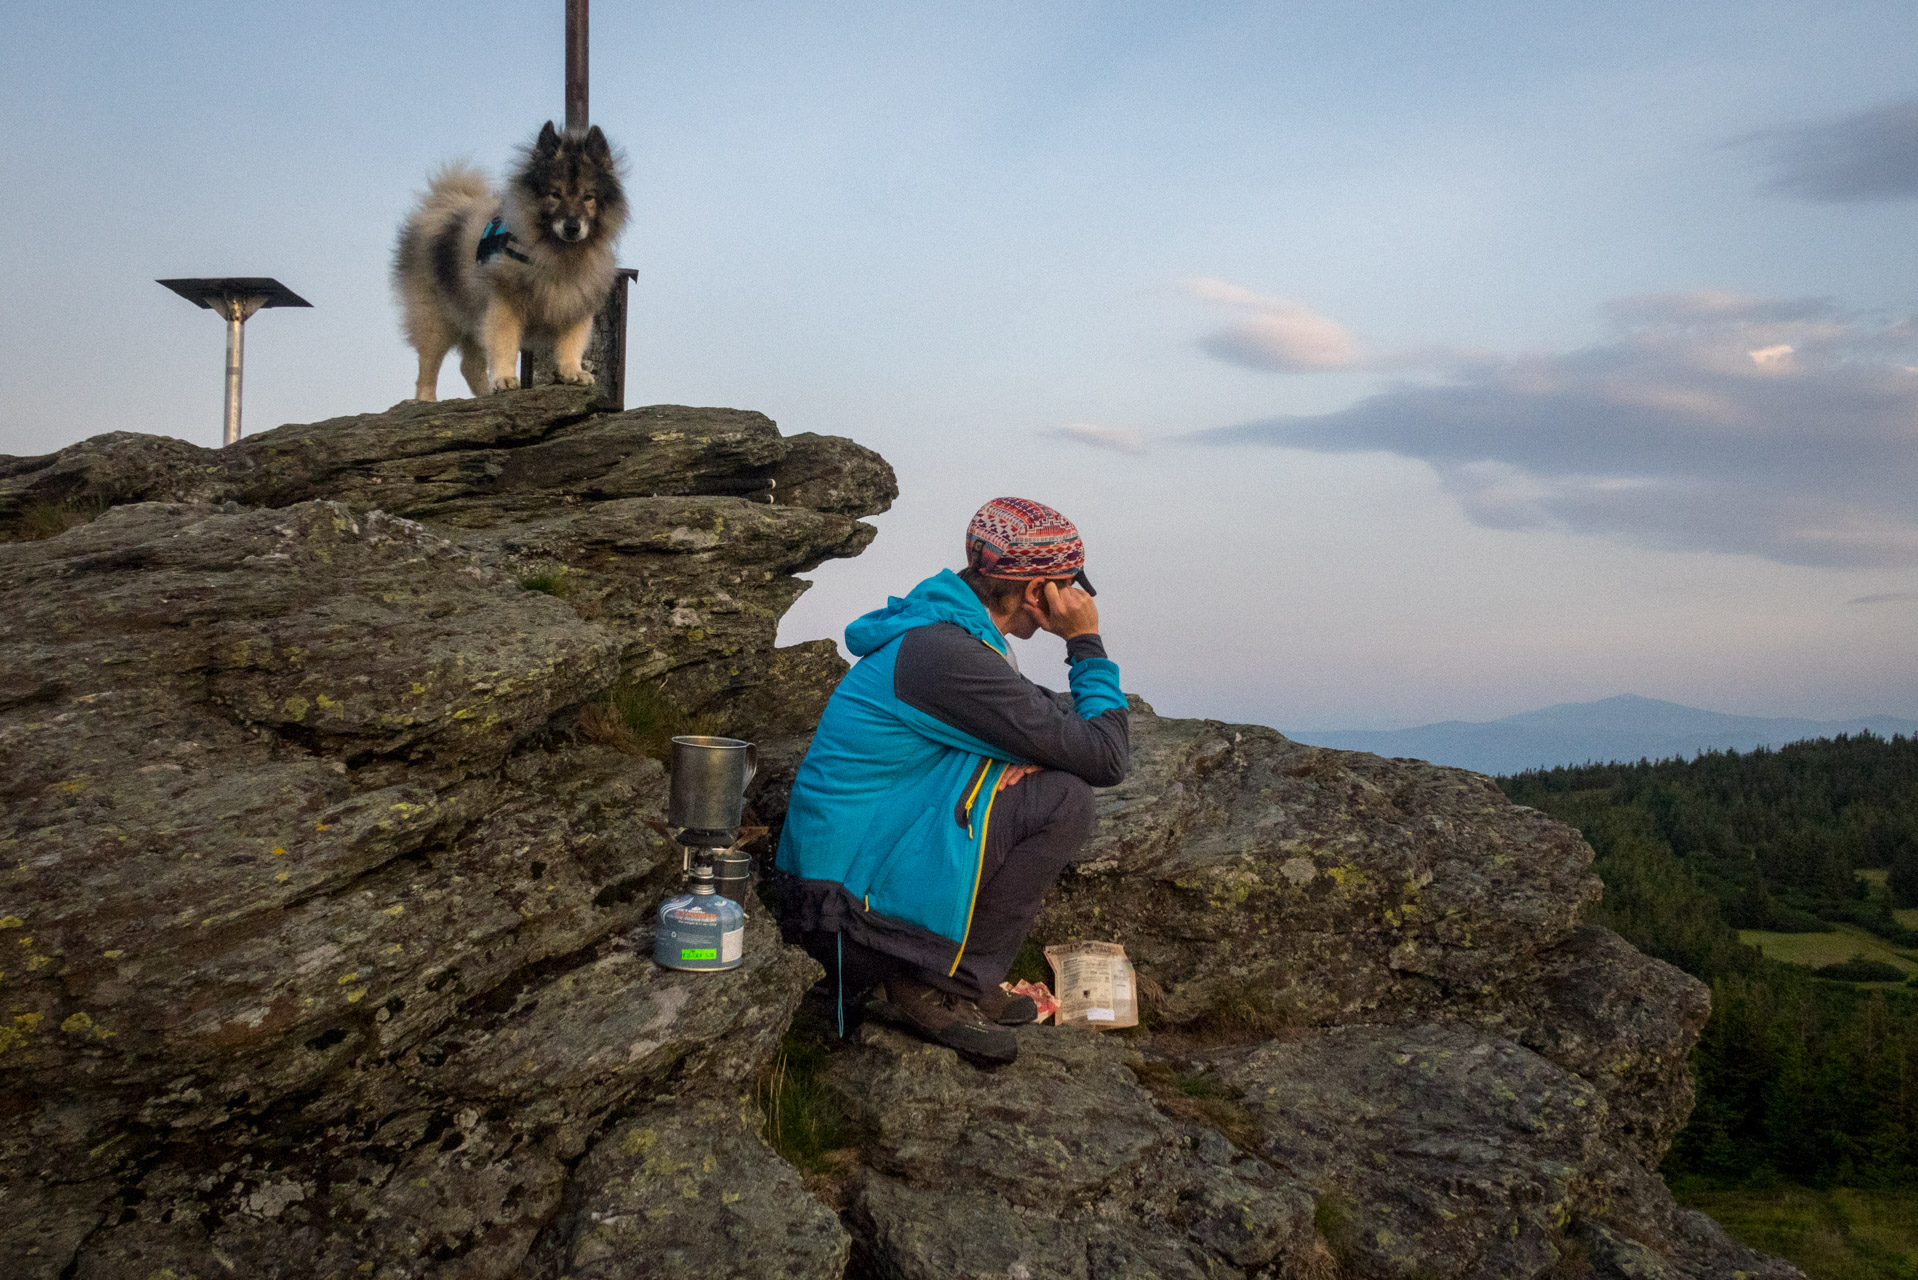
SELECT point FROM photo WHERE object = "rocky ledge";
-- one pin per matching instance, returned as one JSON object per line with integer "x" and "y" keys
{"x": 324, "y": 926}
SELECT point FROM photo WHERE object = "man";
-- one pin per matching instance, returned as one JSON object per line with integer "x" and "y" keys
{"x": 944, "y": 792}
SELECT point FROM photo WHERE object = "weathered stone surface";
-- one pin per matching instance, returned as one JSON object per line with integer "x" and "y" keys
{"x": 694, "y": 587}
{"x": 677, "y": 527}
{"x": 1426, "y": 1151}
{"x": 119, "y": 466}
{"x": 1443, "y": 1152}
{"x": 1337, "y": 886}
{"x": 451, "y": 1157}
{"x": 239, "y": 833}
{"x": 1266, "y": 884}
{"x": 689, "y": 1190}
{"x": 469, "y": 461}
{"x": 1624, "y": 1022}
{"x": 44, "y": 1223}
{"x": 1272, "y": 887}
{"x": 1058, "y": 1165}
{"x": 316, "y": 920}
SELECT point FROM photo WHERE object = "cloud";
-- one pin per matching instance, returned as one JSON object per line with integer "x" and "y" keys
{"x": 1117, "y": 439}
{"x": 1673, "y": 432}
{"x": 1274, "y": 334}
{"x": 1885, "y": 597}
{"x": 1872, "y": 155}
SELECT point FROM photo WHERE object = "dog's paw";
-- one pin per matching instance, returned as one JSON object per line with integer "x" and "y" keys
{"x": 506, "y": 384}
{"x": 576, "y": 377}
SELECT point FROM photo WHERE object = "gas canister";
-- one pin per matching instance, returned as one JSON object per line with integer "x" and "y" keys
{"x": 701, "y": 930}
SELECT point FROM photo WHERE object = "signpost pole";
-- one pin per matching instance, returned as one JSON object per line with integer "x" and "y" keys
{"x": 575, "y": 64}
{"x": 605, "y": 355}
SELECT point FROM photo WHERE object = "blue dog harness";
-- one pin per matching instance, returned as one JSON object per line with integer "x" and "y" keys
{"x": 495, "y": 239}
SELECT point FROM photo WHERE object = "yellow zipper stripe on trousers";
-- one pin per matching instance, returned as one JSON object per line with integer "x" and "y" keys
{"x": 978, "y": 872}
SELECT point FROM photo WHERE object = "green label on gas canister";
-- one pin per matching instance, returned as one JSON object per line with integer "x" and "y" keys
{"x": 699, "y": 953}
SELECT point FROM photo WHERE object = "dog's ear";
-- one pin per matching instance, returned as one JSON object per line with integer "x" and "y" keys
{"x": 548, "y": 143}
{"x": 596, "y": 145}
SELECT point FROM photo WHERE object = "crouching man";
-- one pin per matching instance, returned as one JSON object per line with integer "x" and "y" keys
{"x": 944, "y": 792}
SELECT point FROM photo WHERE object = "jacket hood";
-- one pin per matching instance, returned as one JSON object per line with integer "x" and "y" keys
{"x": 940, "y": 598}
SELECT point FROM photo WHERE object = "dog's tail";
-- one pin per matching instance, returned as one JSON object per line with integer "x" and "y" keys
{"x": 428, "y": 255}
{"x": 452, "y": 189}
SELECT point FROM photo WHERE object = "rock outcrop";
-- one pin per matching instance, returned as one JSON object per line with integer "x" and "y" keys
{"x": 1337, "y": 886}
{"x": 317, "y": 911}
{"x": 1267, "y": 885}
{"x": 1060, "y": 1165}
{"x": 1376, "y": 986}
{"x": 325, "y": 911}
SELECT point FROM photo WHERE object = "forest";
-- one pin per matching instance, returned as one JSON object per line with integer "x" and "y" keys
{"x": 1787, "y": 880}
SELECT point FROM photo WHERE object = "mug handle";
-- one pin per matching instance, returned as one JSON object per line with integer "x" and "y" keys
{"x": 752, "y": 763}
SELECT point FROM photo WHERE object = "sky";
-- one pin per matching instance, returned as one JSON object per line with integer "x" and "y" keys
{"x": 1399, "y": 362}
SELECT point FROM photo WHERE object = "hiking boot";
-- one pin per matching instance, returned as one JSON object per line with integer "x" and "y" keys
{"x": 1007, "y": 1009}
{"x": 943, "y": 1018}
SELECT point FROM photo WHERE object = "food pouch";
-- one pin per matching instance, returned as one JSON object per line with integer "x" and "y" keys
{"x": 1095, "y": 986}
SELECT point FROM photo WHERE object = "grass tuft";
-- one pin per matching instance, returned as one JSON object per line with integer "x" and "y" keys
{"x": 1030, "y": 965}
{"x": 640, "y": 718}
{"x": 1151, "y": 995}
{"x": 1199, "y": 1099}
{"x": 553, "y": 583}
{"x": 1321, "y": 1263}
{"x": 1243, "y": 1011}
{"x": 39, "y": 521}
{"x": 1335, "y": 1230}
{"x": 805, "y": 1122}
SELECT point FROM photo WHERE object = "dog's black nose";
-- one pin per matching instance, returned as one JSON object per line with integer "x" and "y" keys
{"x": 572, "y": 229}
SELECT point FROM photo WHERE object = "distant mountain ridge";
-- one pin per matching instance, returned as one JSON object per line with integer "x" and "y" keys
{"x": 1626, "y": 727}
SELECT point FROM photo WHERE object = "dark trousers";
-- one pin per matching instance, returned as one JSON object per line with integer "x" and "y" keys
{"x": 1037, "y": 825}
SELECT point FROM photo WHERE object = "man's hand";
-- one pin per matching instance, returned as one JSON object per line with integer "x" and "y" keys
{"x": 1068, "y": 612}
{"x": 1013, "y": 773}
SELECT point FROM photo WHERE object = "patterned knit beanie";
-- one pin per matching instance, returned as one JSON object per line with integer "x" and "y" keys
{"x": 1019, "y": 538}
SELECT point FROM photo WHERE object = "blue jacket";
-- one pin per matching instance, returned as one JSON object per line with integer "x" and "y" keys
{"x": 886, "y": 830}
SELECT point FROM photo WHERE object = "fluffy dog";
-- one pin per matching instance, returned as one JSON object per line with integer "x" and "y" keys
{"x": 481, "y": 270}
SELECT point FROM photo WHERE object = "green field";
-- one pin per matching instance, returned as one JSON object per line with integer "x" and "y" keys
{"x": 1836, "y": 947}
{"x": 1830, "y": 1235}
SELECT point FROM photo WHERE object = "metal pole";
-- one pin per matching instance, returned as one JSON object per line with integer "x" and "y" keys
{"x": 238, "y": 309}
{"x": 235, "y": 337}
{"x": 575, "y": 64}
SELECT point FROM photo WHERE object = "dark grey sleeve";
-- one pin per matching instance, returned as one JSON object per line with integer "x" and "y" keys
{"x": 950, "y": 674}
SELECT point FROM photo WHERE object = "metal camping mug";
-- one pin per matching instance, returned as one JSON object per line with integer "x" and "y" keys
{"x": 733, "y": 875}
{"x": 709, "y": 782}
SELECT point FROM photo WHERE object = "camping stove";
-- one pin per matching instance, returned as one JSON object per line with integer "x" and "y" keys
{"x": 704, "y": 927}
